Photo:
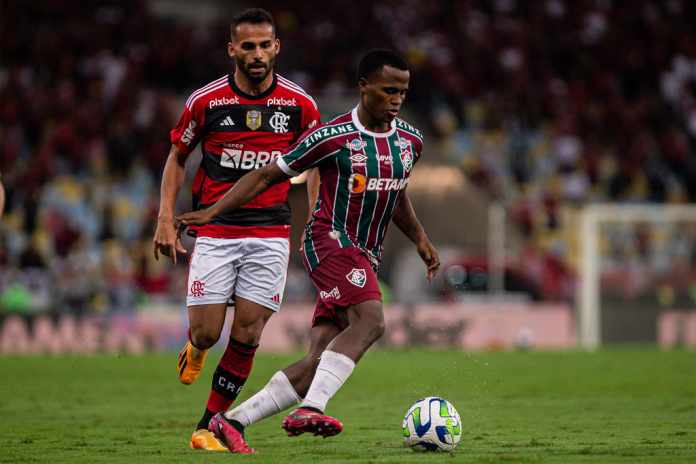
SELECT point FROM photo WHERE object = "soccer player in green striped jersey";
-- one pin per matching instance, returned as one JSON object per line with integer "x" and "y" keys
{"x": 365, "y": 158}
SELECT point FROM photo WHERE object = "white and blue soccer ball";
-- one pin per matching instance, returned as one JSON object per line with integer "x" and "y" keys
{"x": 432, "y": 424}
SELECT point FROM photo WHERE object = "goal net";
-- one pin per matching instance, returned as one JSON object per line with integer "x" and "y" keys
{"x": 637, "y": 268}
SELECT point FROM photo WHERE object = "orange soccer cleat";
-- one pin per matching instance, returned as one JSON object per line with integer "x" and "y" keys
{"x": 203, "y": 439}
{"x": 190, "y": 363}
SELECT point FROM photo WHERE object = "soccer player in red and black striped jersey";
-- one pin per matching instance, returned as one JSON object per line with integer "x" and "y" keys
{"x": 365, "y": 158}
{"x": 242, "y": 121}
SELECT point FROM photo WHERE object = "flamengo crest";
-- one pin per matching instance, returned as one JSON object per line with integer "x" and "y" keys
{"x": 279, "y": 122}
{"x": 357, "y": 277}
{"x": 197, "y": 288}
{"x": 253, "y": 119}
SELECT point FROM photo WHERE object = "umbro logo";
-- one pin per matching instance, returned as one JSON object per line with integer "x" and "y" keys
{"x": 358, "y": 158}
{"x": 227, "y": 121}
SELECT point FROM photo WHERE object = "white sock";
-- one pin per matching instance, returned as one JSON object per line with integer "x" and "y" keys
{"x": 333, "y": 370}
{"x": 278, "y": 394}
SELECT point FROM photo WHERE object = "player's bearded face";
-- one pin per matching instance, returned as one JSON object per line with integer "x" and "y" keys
{"x": 255, "y": 68}
{"x": 254, "y": 49}
{"x": 384, "y": 93}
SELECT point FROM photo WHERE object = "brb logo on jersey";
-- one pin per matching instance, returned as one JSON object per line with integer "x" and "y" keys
{"x": 279, "y": 122}
{"x": 246, "y": 159}
{"x": 357, "y": 277}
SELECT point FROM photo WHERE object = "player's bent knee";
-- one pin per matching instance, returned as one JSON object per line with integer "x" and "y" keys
{"x": 374, "y": 331}
{"x": 205, "y": 322}
{"x": 369, "y": 315}
{"x": 203, "y": 341}
{"x": 368, "y": 320}
{"x": 378, "y": 330}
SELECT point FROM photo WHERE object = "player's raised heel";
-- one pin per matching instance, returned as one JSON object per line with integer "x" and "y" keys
{"x": 189, "y": 366}
{"x": 303, "y": 420}
{"x": 229, "y": 435}
{"x": 203, "y": 439}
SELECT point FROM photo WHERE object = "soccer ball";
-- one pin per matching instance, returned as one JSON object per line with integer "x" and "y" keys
{"x": 432, "y": 424}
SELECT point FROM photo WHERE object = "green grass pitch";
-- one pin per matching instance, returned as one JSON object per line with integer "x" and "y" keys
{"x": 634, "y": 405}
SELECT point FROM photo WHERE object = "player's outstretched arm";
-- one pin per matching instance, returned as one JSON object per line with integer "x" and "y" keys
{"x": 406, "y": 220}
{"x": 249, "y": 187}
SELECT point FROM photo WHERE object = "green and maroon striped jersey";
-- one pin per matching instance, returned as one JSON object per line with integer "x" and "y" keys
{"x": 362, "y": 174}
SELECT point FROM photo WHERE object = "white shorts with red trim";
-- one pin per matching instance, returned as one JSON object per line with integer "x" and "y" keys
{"x": 252, "y": 268}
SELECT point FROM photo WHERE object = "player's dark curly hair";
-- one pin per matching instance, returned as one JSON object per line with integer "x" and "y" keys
{"x": 374, "y": 60}
{"x": 252, "y": 16}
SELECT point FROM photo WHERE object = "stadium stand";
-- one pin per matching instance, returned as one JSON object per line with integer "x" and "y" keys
{"x": 543, "y": 105}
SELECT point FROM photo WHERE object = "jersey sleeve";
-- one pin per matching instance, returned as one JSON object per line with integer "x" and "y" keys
{"x": 418, "y": 149}
{"x": 310, "y": 116}
{"x": 307, "y": 153}
{"x": 187, "y": 132}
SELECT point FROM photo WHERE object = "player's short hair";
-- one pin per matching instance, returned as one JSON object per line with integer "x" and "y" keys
{"x": 252, "y": 16}
{"x": 374, "y": 60}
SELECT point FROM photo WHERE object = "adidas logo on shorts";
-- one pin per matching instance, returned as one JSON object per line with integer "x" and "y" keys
{"x": 227, "y": 121}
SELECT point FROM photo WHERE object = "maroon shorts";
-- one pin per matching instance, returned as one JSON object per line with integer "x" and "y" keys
{"x": 344, "y": 278}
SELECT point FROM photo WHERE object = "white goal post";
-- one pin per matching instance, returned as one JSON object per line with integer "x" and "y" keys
{"x": 588, "y": 289}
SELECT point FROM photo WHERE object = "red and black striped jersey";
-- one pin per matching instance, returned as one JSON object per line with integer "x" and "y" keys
{"x": 237, "y": 133}
{"x": 362, "y": 175}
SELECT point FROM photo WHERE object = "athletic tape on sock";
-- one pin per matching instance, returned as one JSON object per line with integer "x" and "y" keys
{"x": 277, "y": 395}
{"x": 333, "y": 370}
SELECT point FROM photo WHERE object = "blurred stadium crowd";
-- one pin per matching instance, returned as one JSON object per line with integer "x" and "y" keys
{"x": 542, "y": 104}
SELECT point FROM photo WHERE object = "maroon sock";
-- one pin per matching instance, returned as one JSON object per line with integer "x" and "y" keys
{"x": 229, "y": 377}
